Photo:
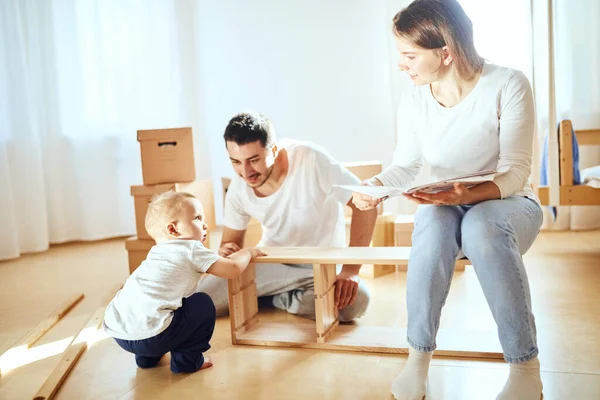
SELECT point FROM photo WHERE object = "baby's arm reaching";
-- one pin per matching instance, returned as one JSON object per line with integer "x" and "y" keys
{"x": 235, "y": 264}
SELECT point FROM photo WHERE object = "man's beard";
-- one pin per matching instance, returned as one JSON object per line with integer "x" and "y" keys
{"x": 265, "y": 180}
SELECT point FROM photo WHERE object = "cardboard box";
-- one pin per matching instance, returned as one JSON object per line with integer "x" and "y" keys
{"x": 137, "y": 250}
{"x": 403, "y": 228}
{"x": 167, "y": 155}
{"x": 142, "y": 195}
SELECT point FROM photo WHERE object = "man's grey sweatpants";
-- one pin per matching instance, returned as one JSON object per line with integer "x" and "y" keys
{"x": 292, "y": 288}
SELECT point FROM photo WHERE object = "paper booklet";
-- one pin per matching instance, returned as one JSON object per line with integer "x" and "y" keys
{"x": 469, "y": 180}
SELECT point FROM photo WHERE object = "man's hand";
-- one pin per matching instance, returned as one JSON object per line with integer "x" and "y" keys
{"x": 346, "y": 288}
{"x": 364, "y": 202}
{"x": 459, "y": 195}
{"x": 228, "y": 249}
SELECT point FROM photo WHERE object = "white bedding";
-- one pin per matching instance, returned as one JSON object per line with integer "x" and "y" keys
{"x": 591, "y": 176}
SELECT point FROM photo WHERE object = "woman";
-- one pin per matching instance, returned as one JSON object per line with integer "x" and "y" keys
{"x": 464, "y": 116}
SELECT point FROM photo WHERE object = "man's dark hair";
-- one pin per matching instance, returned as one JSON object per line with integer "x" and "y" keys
{"x": 249, "y": 127}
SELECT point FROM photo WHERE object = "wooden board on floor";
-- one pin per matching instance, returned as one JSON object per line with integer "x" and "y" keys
{"x": 370, "y": 339}
{"x": 74, "y": 351}
{"x": 50, "y": 321}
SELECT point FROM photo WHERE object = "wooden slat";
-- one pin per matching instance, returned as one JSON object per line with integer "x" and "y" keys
{"x": 242, "y": 281}
{"x": 326, "y": 312}
{"x": 579, "y": 195}
{"x": 324, "y": 277}
{"x": 245, "y": 306}
{"x": 36, "y": 333}
{"x": 61, "y": 371}
{"x": 589, "y": 137}
{"x": 73, "y": 352}
{"x": 565, "y": 140}
{"x": 544, "y": 195}
{"x": 247, "y": 325}
{"x": 323, "y": 338}
{"x": 372, "y": 339}
{"x": 334, "y": 255}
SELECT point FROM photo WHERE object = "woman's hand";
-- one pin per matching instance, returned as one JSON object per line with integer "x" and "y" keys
{"x": 364, "y": 202}
{"x": 458, "y": 196}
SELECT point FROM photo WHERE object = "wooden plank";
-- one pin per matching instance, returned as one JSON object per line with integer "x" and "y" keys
{"x": 240, "y": 282}
{"x": 329, "y": 333}
{"x": 326, "y": 313}
{"x": 61, "y": 371}
{"x": 73, "y": 352}
{"x": 245, "y": 306}
{"x": 588, "y": 137}
{"x": 324, "y": 277}
{"x": 543, "y": 193}
{"x": 36, "y": 333}
{"x": 247, "y": 325}
{"x": 579, "y": 195}
{"x": 565, "y": 149}
{"x": 334, "y": 255}
{"x": 236, "y": 303}
{"x": 372, "y": 339}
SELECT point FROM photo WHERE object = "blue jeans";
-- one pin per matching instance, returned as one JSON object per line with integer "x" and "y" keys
{"x": 494, "y": 235}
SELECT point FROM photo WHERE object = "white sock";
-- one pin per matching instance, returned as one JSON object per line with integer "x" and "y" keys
{"x": 524, "y": 382}
{"x": 410, "y": 384}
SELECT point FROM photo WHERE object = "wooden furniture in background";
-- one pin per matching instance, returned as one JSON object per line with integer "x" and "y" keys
{"x": 569, "y": 194}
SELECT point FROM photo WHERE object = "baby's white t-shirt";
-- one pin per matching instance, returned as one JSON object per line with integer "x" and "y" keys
{"x": 144, "y": 307}
{"x": 492, "y": 128}
{"x": 306, "y": 210}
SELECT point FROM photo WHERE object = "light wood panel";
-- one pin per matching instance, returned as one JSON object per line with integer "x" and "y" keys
{"x": 334, "y": 255}
{"x": 371, "y": 339}
{"x": 325, "y": 276}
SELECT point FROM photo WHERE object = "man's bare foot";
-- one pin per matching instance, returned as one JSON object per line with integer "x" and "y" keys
{"x": 208, "y": 362}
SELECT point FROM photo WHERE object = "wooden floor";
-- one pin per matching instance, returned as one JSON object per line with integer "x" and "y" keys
{"x": 564, "y": 270}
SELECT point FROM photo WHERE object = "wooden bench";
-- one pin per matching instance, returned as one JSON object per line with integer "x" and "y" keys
{"x": 326, "y": 332}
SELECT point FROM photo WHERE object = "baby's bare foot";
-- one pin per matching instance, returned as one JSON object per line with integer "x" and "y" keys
{"x": 208, "y": 362}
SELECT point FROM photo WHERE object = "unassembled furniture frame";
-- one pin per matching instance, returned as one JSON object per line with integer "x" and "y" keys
{"x": 325, "y": 332}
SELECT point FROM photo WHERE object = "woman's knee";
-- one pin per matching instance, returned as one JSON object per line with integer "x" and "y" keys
{"x": 483, "y": 232}
{"x": 435, "y": 224}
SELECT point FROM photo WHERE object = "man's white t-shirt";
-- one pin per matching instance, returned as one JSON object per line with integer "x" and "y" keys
{"x": 492, "y": 128}
{"x": 306, "y": 210}
{"x": 144, "y": 307}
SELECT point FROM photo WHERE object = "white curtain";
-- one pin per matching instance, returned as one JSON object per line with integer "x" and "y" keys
{"x": 79, "y": 78}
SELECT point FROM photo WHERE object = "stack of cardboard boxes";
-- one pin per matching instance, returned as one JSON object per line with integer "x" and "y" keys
{"x": 167, "y": 164}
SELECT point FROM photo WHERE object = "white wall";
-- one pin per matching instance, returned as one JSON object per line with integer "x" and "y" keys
{"x": 319, "y": 70}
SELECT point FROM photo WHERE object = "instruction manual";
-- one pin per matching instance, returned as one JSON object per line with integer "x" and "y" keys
{"x": 468, "y": 180}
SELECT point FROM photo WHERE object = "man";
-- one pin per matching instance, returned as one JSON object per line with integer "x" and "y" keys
{"x": 288, "y": 188}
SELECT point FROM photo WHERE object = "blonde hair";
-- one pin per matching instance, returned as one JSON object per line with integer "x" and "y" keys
{"x": 433, "y": 24}
{"x": 163, "y": 209}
